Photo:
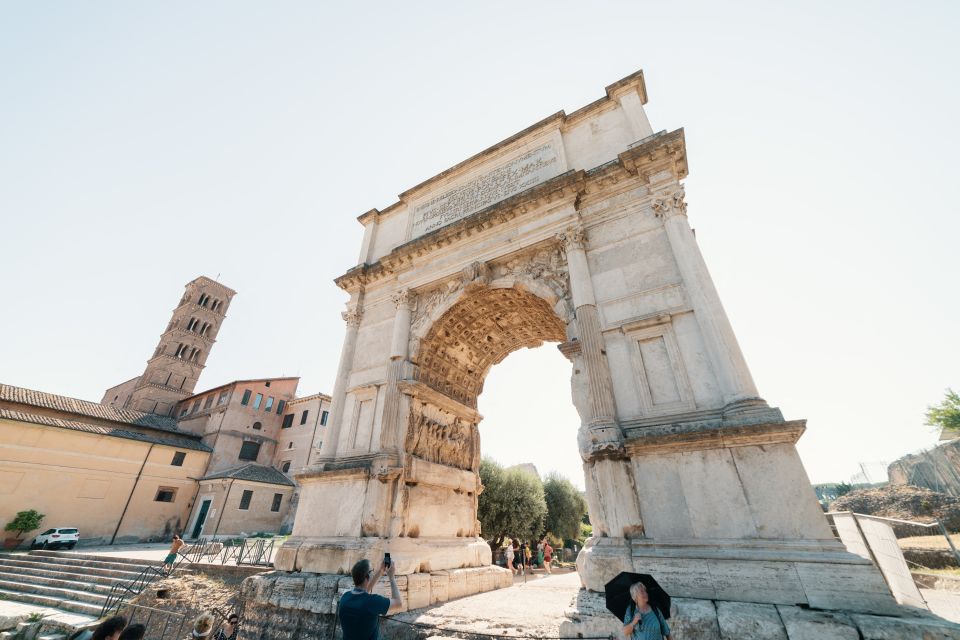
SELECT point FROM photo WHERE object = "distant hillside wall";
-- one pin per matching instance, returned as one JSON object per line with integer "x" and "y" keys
{"x": 937, "y": 469}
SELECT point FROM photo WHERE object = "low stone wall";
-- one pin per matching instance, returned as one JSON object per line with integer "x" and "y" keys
{"x": 936, "y": 581}
{"x": 287, "y": 606}
{"x": 930, "y": 558}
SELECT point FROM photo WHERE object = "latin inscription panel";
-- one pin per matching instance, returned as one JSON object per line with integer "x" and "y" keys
{"x": 521, "y": 173}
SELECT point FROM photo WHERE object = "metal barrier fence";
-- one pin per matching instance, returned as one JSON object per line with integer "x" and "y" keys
{"x": 255, "y": 551}
{"x": 251, "y": 551}
{"x": 160, "y": 625}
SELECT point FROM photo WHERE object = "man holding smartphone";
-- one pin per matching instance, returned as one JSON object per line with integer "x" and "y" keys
{"x": 360, "y": 608}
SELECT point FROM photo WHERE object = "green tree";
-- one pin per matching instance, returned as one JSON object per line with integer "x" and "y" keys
{"x": 512, "y": 503}
{"x": 946, "y": 415}
{"x": 24, "y": 521}
{"x": 843, "y": 488}
{"x": 565, "y": 507}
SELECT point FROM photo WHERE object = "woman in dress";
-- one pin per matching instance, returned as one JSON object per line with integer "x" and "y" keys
{"x": 508, "y": 555}
{"x": 641, "y": 621}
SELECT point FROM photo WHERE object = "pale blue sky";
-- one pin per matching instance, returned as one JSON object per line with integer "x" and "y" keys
{"x": 143, "y": 144}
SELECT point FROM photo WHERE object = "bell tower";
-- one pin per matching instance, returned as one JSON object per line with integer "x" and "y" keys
{"x": 175, "y": 367}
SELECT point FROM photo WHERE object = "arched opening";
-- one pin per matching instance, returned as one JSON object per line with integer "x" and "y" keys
{"x": 482, "y": 328}
{"x": 451, "y": 362}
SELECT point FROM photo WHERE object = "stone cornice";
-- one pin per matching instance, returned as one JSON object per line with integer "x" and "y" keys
{"x": 425, "y": 393}
{"x": 183, "y": 332}
{"x": 651, "y": 156}
{"x": 674, "y": 438}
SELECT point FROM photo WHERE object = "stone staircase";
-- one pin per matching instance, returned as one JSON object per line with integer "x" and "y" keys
{"x": 73, "y": 587}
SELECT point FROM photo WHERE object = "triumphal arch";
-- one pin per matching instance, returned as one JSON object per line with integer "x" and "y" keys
{"x": 575, "y": 232}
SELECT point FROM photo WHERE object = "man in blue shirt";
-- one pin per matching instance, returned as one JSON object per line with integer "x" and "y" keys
{"x": 360, "y": 608}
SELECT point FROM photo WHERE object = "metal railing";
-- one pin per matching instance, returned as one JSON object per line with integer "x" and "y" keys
{"x": 120, "y": 592}
{"x": 250, "y": 551}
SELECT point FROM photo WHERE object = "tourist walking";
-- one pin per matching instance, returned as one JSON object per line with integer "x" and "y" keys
{"x": 540, "y": 553}
{"x": 172, "y": 556}
{"x": 360, "y": 609}
{"x": 547, "y": 555}
{"x": 641, "y": 621}
{"x": 508, "y": 556}
{"x": 229, "y": 629}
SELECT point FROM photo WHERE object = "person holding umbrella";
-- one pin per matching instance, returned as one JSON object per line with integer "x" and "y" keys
{"x": 641, "y": 621}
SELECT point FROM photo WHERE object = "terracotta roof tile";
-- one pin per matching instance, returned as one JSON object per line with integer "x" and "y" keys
{"x": 253, "y": 473}
{"x": 86, "y": 408}
{"x": 180, "y": 442}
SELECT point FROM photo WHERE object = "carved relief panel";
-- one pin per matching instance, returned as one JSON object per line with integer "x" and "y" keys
{"x": 440, "y": 437}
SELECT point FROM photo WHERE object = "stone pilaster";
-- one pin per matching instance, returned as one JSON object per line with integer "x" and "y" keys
{"x": 352, "y": 316}
{"x": 391, "y": 440}
{"x": 732, "y": 373}
{"x": 605, "y": 438}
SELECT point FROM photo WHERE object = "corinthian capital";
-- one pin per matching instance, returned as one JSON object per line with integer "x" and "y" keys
{"x": 575, "y": 237}
{"x": 670, "y": 203}
{"x": 352, "y": 316}
{"x": 405, "y": 299}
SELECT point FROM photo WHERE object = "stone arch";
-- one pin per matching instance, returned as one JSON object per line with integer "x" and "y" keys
{"x": 479, "y": 326}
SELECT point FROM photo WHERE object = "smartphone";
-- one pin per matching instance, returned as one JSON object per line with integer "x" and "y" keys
{"x": 386, "y": 559}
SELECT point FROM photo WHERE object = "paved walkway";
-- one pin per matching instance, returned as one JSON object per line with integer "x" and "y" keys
{"x": 535, "y": 608}
{"x": 945, "y": 604}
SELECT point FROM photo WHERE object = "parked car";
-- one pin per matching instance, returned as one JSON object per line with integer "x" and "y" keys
{"x": 56, "y": 538}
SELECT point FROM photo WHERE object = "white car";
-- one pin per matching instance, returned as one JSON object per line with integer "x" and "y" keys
{"x": 56, "y": 538}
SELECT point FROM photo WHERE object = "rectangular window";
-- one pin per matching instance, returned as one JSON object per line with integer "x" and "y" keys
{"x": 249, "y": 451}
{"x": 223, "y": 397}
{"x": 245, "y": 400}
{"x": 280, "y": 406}
{"x": 208, "y": 403}
{"x": 287, "y": 421}
{"x": 183, "y": 411}
{"x": 245, "y": 499}
{"x": 303, "y": 416}
{"x": 323, "y": 418}
{"x": 196, "y": 405}
{"x": 277, "y": 499}
{"x": 166, "y": 494}
{"x": 257, "y": 401}
{"x": 178, "y": 458}
{"x": 269, "y": 404}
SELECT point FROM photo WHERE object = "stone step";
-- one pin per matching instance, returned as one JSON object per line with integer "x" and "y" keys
{"x": 74, "y": 555}
{"x": 113, "y": 574}
{"x": 72, "y": 606}
{"x": 88, "y": 577}
{"x": 59, "y": 593}
{"x": 80, "y": 583}
{"x": 79, "y": 560}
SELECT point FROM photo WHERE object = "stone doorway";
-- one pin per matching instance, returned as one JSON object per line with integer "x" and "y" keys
{"x": 574, "y": 231}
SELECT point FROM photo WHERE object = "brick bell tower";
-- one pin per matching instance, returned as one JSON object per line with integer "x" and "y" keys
{"x": 175, "y": 367}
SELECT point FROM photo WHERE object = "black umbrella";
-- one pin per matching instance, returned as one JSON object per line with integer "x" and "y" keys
{"x": 617, "y": 592}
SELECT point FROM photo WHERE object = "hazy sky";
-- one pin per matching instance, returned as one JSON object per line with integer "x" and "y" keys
{"x": 143, "y": 144}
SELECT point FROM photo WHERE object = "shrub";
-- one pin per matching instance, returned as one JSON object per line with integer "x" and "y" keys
{"x": 25, "y": 521}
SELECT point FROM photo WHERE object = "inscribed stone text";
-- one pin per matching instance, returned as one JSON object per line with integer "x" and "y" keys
{"x": 519, "y": 174}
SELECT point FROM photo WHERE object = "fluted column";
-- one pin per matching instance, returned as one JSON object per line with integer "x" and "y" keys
{"x": 602, "y": 422}
{"x": 352, "y": 316}
{"x": 721, "y": 344}
{"x": 390, "y": 433}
